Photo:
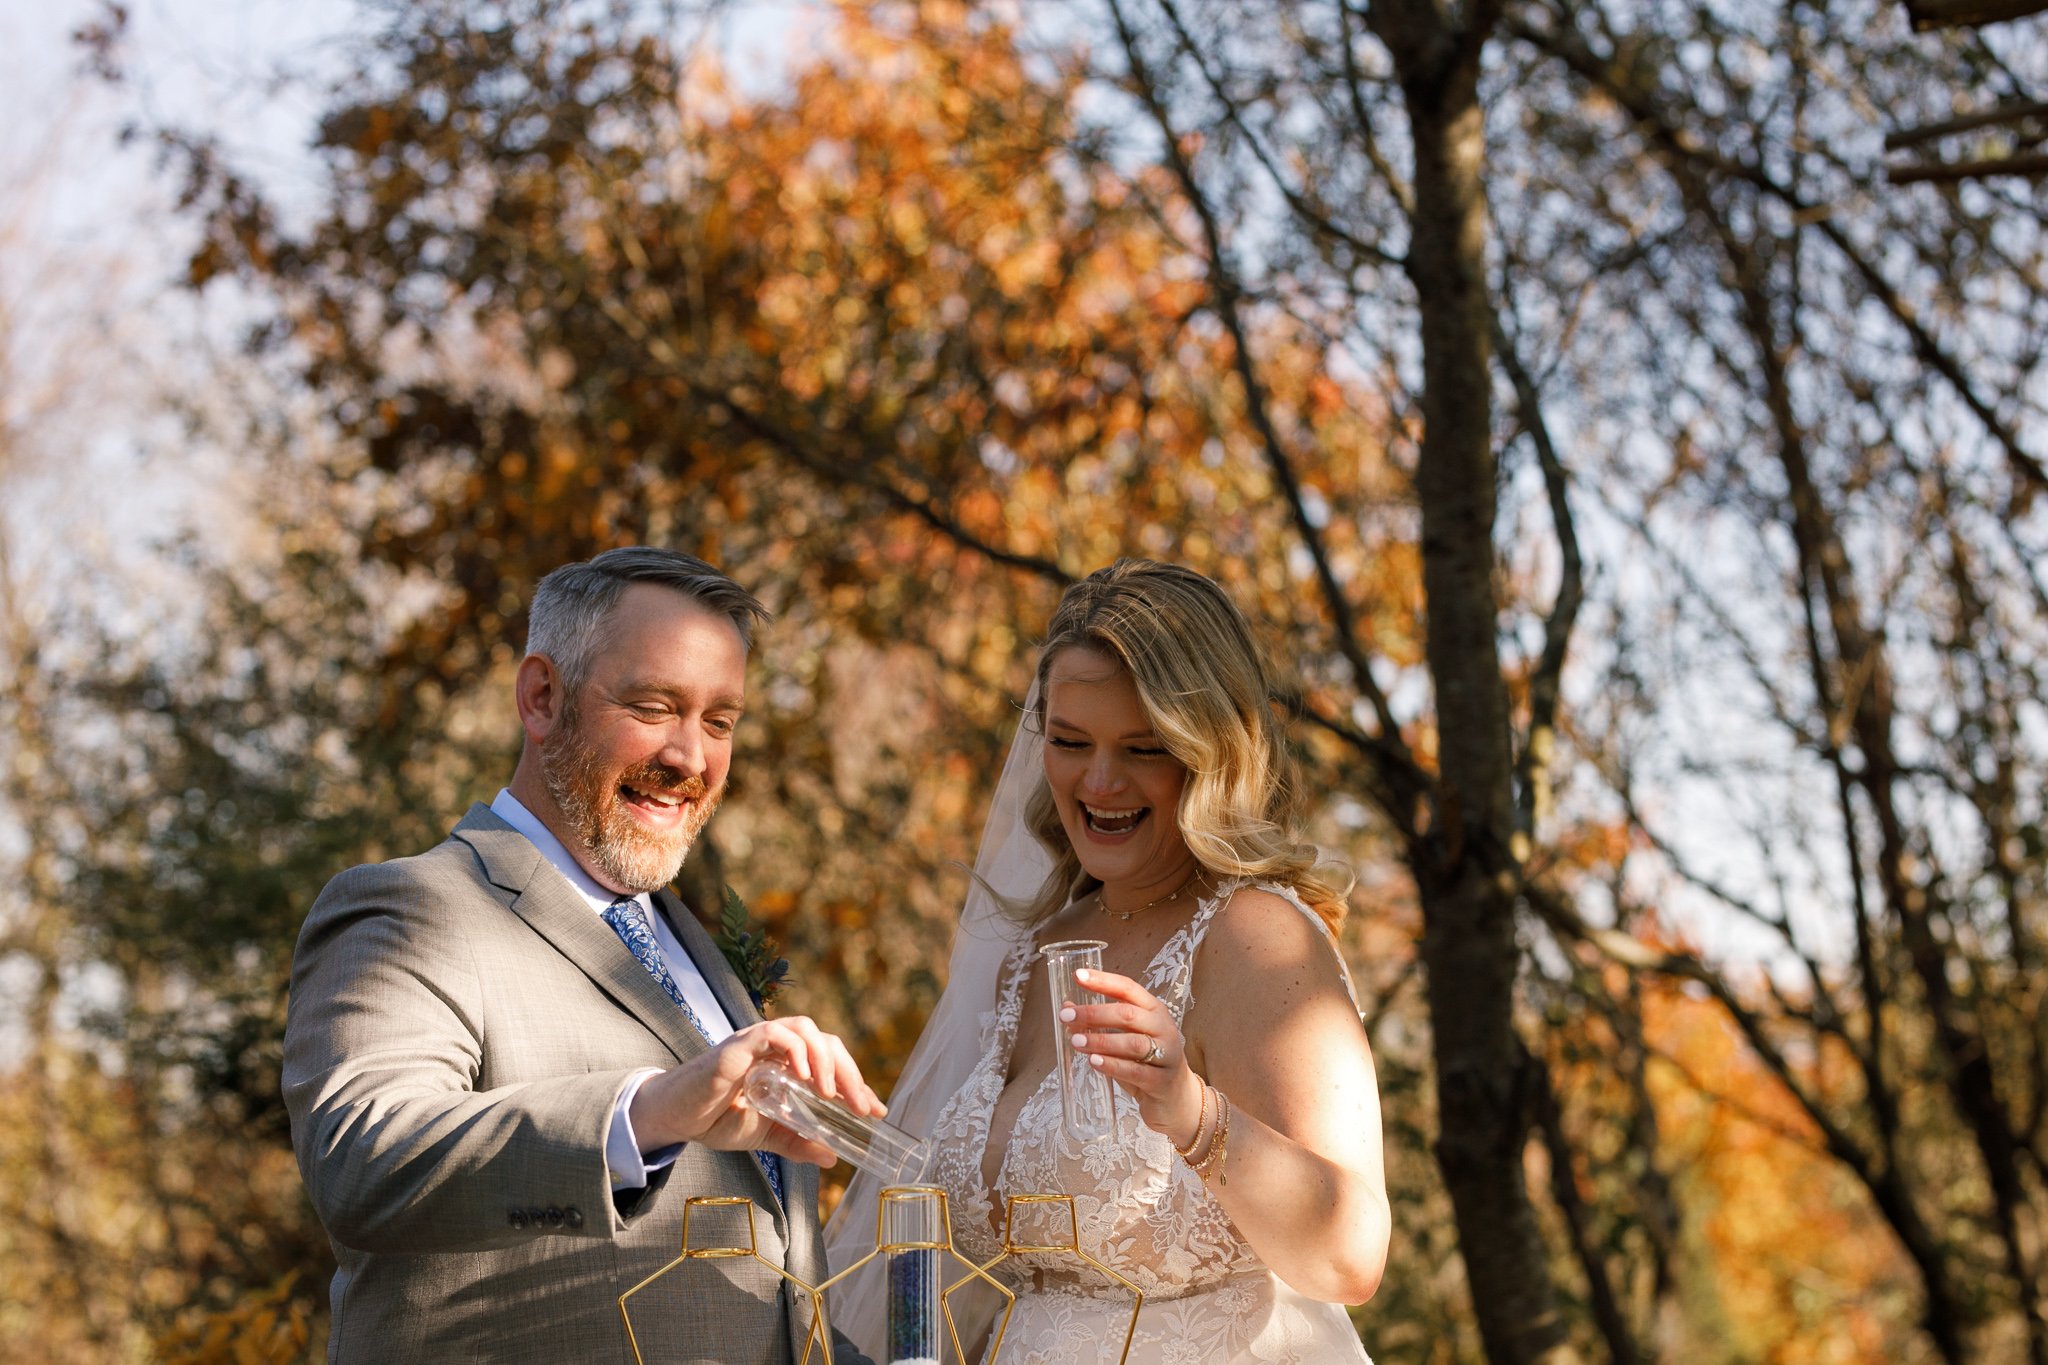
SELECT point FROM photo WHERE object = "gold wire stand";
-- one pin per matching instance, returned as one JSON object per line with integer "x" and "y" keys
{"x": 819, "y": 1335}
{"x": 904, "y": 1194}
{"x": 1071, "y": 1247}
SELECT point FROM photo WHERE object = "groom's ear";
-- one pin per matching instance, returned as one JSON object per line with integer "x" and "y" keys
{"x": 537, "y": 692}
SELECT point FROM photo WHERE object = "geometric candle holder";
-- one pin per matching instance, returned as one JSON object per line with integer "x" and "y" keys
{"x": 819, "y": 1334}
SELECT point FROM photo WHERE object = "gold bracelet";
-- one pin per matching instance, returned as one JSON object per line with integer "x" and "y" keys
{"x": 1223, "y": 1151}
{"x": 1205, "y": 1142}
{"x": 1201, "y": 1125}
{"x": 1219, "y": 1145}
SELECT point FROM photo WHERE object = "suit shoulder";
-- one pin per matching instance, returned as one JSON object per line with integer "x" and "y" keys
{"x": 416, "y": 887}
{"x": 449, "y": 859}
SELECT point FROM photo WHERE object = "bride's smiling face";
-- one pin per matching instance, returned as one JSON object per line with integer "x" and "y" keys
{"x": 1115, "y": 785}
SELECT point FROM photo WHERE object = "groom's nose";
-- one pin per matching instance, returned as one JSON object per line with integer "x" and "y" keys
{"x": 683, "y": 748}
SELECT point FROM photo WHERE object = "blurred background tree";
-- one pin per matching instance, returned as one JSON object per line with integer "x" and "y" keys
{"x": 1638, "y": 495}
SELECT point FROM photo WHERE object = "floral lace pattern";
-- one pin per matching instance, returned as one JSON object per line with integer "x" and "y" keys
{"x": 1208, "y": 1297}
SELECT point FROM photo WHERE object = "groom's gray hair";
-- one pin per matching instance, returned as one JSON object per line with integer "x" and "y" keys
{"x": 573, "y": 603}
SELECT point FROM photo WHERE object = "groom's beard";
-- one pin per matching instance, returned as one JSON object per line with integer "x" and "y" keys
{"x": 587, "y": 794}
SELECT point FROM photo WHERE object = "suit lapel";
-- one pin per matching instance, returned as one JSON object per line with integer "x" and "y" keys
{"x": 558, "y": 913}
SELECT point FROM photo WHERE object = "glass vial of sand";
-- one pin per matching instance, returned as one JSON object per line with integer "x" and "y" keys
{"x": 914, "y": 1234}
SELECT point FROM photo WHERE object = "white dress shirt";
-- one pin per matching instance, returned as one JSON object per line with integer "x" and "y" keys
{"x": 623, "y": 1157}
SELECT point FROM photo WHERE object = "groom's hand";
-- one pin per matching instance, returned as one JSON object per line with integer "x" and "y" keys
{"x": 701, "y": 1100}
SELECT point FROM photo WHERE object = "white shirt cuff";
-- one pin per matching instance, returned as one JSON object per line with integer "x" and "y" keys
{"x": 623, "y": 1159}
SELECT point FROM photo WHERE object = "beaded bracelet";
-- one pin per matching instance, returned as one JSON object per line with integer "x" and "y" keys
{"x": 1201, "y": 1126}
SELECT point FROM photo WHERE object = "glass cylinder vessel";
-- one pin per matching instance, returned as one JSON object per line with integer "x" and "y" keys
{"x": 1087, "y": 1110}
{"x": 879, "y": 1148}
{"x": 914, "y": 1233}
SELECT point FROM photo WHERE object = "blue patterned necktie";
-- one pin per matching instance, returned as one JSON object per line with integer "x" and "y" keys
{"x": 629, "y": 921}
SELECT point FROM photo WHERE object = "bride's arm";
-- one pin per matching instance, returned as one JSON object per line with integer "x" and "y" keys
{"x": 1272, "y": 1028}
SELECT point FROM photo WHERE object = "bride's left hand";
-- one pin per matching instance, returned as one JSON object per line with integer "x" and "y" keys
{"x": 1168, "y": 1092}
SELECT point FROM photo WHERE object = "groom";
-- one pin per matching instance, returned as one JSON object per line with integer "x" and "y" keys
{"x": 510, "y": 1060}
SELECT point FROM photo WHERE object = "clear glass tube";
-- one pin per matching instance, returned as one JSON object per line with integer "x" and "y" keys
{"x": 878, "y": 1148}
{"x": 913, "y": 1233}
{"x": 1086, "y": 1107}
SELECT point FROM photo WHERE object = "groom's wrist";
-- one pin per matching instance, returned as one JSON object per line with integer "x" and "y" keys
{"x": 661, "y": 1112}
{"x": 627, "y": 1155}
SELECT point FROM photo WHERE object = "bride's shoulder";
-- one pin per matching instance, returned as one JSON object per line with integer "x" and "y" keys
{"x": 1266, "y": 958}
{"x": 1260, "y": 922}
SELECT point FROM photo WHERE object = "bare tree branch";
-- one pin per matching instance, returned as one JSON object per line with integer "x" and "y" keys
{"x": 1228, "y": 292}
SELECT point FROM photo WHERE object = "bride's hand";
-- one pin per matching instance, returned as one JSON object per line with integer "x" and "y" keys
{"x": 1142, "y": 1051}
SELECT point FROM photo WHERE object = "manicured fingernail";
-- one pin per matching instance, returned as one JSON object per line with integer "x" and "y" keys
{"x": 1083, "y": 974}
{"x": 1067, "y": 1015}
{"x": 1094, "y": 1060}
{"x": 1080, "y": 1040}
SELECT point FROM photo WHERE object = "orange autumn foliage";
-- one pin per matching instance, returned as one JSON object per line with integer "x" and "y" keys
{"x": 1798, "y": 1267}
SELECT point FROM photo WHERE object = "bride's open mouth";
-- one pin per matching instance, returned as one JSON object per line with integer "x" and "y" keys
{"x": 1113, "y": 823}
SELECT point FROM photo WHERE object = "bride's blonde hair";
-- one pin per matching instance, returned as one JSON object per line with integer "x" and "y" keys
{"x": 1205, "y": 692}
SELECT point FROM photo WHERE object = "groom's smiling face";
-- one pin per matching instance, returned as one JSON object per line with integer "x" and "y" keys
{"x": 638, "y": 758}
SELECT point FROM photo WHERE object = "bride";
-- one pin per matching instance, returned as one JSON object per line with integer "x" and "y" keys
{"x": 1149, "y": 802}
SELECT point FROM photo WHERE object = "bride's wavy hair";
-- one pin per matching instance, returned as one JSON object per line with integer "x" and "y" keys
{"x": 1205, "y": 691}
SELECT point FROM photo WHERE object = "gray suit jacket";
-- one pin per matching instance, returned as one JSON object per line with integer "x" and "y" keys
{"x": 460, "y": 1028}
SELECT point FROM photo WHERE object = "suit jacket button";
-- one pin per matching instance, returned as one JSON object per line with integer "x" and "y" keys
{"x": 554, "y": 1217}
{"x": 517, "y": 1218}
{"x": 573, "y": 1216}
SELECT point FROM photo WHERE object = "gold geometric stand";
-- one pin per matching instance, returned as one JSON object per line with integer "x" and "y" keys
{"x": 1071, "y": 1247}
{"x": 819, "y": 1334}
{"x": 904, "y": 1194}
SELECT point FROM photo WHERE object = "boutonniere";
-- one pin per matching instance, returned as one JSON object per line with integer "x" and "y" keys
{"x": 751, "y": 952}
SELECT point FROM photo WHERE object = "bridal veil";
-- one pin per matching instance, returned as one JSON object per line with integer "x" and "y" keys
{"x": 1013, "y": 864}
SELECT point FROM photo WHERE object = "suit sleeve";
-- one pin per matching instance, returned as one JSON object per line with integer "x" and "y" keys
{"x": 382, "y": 1055}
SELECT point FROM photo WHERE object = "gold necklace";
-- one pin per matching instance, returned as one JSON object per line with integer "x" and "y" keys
{"x": 1102, "y": 902}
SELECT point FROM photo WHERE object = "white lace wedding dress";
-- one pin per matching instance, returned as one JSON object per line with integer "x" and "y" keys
{"x": 1209, "y": 1300}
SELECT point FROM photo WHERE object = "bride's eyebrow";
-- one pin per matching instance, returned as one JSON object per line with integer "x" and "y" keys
{"x": 1065, "y": 724}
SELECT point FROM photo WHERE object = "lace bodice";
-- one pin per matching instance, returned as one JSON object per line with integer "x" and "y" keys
{"x": 1137, "y": 1208}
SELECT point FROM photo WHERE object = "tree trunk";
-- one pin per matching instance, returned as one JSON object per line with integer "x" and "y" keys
{"x": 1463, "y": 861}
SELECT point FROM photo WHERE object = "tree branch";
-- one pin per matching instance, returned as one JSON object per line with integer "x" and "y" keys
{"x": 1564, "y": 1192}
{"x": 1680, "y": 144}
{"x": 1318, "y": 222}
{"x": 1539, "y": 747}
{"x": 1408, "y": 775}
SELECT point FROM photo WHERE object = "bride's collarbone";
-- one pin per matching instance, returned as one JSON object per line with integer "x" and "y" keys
{"x": 1130, "y": 946}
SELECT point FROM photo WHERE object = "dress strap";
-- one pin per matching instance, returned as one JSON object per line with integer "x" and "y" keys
{"x": 1171, "y": 976}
